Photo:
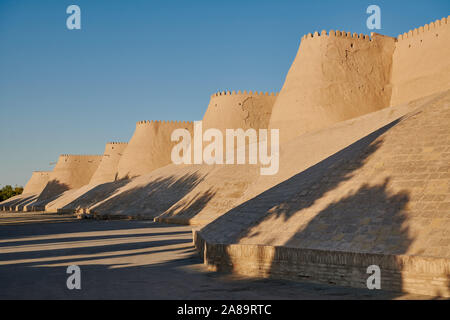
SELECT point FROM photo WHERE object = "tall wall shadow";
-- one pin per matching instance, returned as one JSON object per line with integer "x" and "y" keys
{"x": 52, "y": 190}
{"x": 153, "y": 198}
{"x": 184, "y": 211}
{"x": 94, "y": 195}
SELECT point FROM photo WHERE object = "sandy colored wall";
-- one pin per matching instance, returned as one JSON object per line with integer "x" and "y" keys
{"x": 386, "y": 194}
{"x": 107, "y": 170}
{"x": 70, "y": 172}
{"x": 199, "y": 194}
{"x": 334, "y": 77}
{"x": 421, "y": 62}
{"x": 150, "y": 147}
{"x": 232, "y": 110}
{"x": 37, "y": 182}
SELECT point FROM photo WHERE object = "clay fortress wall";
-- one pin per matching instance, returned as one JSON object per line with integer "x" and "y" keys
{"x": 107, "y": 170}
{"x": 37, "y": 182}
{"x": 150, "y": 147}
{"x": 334, "y": 77}
{"x": 233, "y": 110}
{"x": 421, "y": 63}
{"x": 337, "y": 76}
{"x": 70, "y": 172}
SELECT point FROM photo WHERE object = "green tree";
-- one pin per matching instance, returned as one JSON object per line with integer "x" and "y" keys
{"x": 8, "y": 191}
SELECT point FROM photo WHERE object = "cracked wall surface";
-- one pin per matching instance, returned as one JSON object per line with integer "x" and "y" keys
{"x": 239, "y": 110}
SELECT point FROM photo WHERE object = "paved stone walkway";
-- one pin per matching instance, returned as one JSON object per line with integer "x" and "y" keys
{"x": 128, "y": 260}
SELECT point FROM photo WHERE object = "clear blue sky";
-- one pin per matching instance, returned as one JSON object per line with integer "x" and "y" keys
{"x": 71, "y": 91}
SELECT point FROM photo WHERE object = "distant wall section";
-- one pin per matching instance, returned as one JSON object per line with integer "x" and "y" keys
{"x": 107, "y": 171}
{"x": 150, "y": 147}
{"x": 421, "y": 62}
{"x": 70, "y": 172}
{"x": 37, "y": 182}
{"x": 233, "y": 110}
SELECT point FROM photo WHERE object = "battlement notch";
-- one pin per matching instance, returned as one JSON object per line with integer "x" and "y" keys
{"x": 244, "y": 93}
{"x": 432, "y": 26}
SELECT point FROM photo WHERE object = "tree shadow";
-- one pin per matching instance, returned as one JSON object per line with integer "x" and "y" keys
{"x": 296, "y": 193}
{"x": 359, "y": 222}
{"x": 52, "y": 189}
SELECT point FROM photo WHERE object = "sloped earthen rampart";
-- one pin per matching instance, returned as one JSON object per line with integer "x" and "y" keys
{"x": 383, "y": 197}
